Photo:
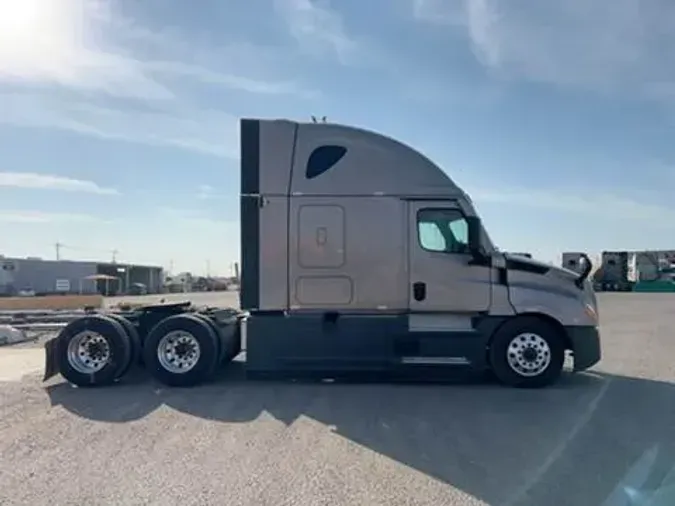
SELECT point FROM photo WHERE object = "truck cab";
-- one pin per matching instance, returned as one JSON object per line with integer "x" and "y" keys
{"x": 359, "y": 254}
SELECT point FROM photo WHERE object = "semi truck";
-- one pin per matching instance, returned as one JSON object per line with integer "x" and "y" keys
{"x": 358, "y": 255}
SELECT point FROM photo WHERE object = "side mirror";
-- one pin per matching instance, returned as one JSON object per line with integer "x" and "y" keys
{"x": 475, "y": 230}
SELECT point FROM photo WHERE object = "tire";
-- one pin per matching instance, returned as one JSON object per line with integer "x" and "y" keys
{"x": 516, "y": 367}
{"x": 197, "y": 333}
{"x": 83, "y": 339}
{"x": 216, "y": 330}
{"x": 134, "y": 340}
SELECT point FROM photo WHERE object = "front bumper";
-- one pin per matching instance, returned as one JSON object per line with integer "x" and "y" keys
{"x": 585, "y": 341}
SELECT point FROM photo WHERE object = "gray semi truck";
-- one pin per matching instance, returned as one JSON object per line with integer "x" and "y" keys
{"x": 358, "y": 255}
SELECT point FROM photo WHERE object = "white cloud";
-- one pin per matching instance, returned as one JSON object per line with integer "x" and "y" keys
{"x": 232, "y": 81}
{"x": 207, "y": 132}
{"x": 84, "y": 45}
{"x": 317, "y": 27}
{"x": 439, "y": 11}
{"x": 605, "y": 45}
{"x": 38, "y": 217}
{"x": 238, "y": 65}
{"x": 69, "y": 55}
{"x": 33, "y": 180}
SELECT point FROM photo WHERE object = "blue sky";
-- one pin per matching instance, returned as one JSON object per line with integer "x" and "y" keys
{"x": 118, "y": 119}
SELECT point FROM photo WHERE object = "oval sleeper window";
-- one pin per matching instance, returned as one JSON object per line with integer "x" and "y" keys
{"x": 322, "y": 159}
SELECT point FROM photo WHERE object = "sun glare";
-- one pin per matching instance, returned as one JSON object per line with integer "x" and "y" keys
{"x": 20, "y": 20}
{"x": 37, "y": 37}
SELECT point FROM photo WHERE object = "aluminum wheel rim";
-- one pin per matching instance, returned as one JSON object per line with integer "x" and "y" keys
{"x": 528, "y": 354}
{"x": 88, "y": 352}
{"x": 178, "y": 352}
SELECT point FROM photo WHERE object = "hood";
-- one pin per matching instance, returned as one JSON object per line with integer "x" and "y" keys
{"x": 519, "y": 262}
{"x": 511, "y": 257}
{"x": 565, "y": 273}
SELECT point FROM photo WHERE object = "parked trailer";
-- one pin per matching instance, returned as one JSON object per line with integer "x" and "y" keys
{"x": 358, "y": 255}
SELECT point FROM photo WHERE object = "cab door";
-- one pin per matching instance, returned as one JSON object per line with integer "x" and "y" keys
{"x": 443, "y": 276}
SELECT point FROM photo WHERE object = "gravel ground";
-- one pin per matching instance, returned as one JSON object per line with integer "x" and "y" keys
{"x": 597, "y": 438}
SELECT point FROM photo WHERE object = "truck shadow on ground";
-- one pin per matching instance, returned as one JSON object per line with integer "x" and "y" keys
{"x": 574, "y": 443}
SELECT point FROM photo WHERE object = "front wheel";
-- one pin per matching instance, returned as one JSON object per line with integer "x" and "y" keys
{"x": 527, "y": 352}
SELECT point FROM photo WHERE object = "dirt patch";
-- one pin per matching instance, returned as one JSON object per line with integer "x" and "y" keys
{"x": 16, "y": 363}
{"x": 51, "y": 302}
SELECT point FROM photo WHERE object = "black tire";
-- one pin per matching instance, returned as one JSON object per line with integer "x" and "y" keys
{"x": 226, "y": 325}
{"x": 498, "y": 354}
{"x": 216, "y": 330}
{"x": 119, "y": 351}
{"x": 134, "y": 340}
{"x": 202, "y": 333}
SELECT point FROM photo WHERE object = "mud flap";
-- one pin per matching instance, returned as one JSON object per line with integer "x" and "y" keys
{"x": 51, "y": 358}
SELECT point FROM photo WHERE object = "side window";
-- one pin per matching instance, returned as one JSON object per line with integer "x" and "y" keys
{"x": 430, "y": 236}
{"x": 442, "y": 230}
{"x": 460, "y": 230}
{"x": 322, "y": 159}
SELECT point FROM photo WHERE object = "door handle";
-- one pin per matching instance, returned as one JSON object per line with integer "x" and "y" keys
{"x": 419, "y": 291}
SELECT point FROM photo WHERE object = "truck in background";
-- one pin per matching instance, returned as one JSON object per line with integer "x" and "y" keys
{"x": 358, "y": 254}
{"x": 614, "y": 274}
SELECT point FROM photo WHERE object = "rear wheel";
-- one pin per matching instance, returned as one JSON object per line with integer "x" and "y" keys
{"x": 181, "y": 351}
{"x": 214, "y": 327}
{"x": 134, "y": 341}
{"x": 94, "y": 350}
{"x": 527, "y": 352}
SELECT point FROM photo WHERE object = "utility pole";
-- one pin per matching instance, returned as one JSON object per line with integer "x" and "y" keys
{"x": 58, "y": 250}
{"x": 208, "y": 268}
{"x": 114, "y": 256}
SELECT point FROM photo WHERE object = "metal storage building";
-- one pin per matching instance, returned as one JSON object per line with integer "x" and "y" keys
{"x": 72, "y": 276}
